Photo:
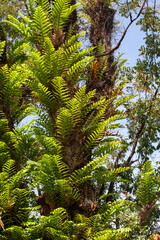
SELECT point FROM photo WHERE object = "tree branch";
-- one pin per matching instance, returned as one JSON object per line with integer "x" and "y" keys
{"x": 139, "y": 132}
{"x": 124, "y": 33}
{"x": 134, "y": 142}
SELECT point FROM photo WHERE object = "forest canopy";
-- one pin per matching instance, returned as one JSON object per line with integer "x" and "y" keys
{"x": 79, "y": 128}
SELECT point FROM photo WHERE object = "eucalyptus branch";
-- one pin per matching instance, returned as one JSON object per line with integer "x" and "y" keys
{"x": 124, "y": 33}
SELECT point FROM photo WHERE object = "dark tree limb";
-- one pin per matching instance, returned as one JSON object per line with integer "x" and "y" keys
{"x": 124, "y": 33}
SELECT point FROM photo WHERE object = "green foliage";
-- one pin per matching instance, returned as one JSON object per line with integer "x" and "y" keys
{"x": 71, "y": 154}
{"x": 12, "y": 198}
{"x": 147, "y": 185}
{"x": 44, "y": 19}
{"x": 60, "y": 13}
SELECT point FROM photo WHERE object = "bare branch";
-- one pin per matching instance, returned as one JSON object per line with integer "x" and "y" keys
{"x": 139, "y": 132}
{"x": 124, "y": 33}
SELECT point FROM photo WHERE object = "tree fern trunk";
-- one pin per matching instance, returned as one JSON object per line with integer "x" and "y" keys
{"x": 101, "y": 29}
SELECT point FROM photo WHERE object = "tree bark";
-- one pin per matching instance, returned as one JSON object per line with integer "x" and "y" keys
{"x": 100, "y": 33}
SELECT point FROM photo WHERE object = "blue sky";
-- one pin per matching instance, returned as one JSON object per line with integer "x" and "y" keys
{"x": 131, "y": 43}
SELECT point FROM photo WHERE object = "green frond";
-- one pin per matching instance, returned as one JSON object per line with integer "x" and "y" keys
{"x": 41, "y": 25}
{"x": 107, "y": 146}
{"x": 43, "y": 124}
{"x": 118, "y": 234}
{"x": 11, "y": 197}
{"x": 61, "y": 214}
{"x": 70, "y": 55}
{"x": 71, "y": 40}
{"x": 96, "y": 113}
{"x": 55, "y": 234}
{"x": 3, "y": 237}
{"x": 65, "y": 193}
{"x": 9, "y": 167}
{"x": 26, "y": 146}
{"x": 73, "y": 106}
{"x": 122, "y": 100}
{"x": 79, "y": 218}
{"x": 16, "y": 232}
{"x": 50, "y": 145}
{"x": 94, "y": 222}
{"x": 95, "y": 136}
{"x": 113, "y": 211}
{"x": 84, "y": 99}
{"x": 53, "y": 176}
{"x": 64, "y": 123}
{"x": 45, "y": 6}
{"x": 2, "y": 46}
{"x": 101, "y": 49}
{"x": 78, "y": 68}
{"x": 84, "y": 174}
{"x": 49, "y": 59}
{"x": 93, "y": 108}
{"x": 3, "y": 125}
{"x": 119, "y": 62}
{"x": 43, "y": 94}
{"x": 10, "y": 91}
{"x": 39, "y": 64}
{"x": 53, "y": 166}
{"x": 4, "y": 153}
{"x": 61, "y": 90}
{"x": 21, "y": 27}
{"x": 147, "y": 186}
{"x": 16, "y": 179}
{"x": 52, "y": 227}
{"x": 111, "y": 175}
{"x": 80, "y": 94}
{"x": 73, "y": 54}
{"x": 78, "y": 104}
{"x": 81, "y": 13}
{"x": 61, "y": 11}
{"x": 32, "y": 6}
{"x": 26, "y": 19}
